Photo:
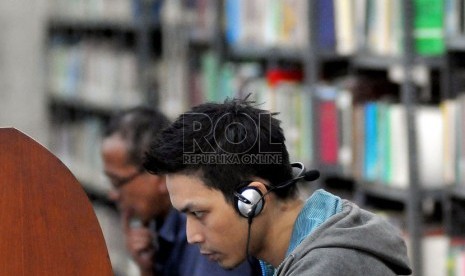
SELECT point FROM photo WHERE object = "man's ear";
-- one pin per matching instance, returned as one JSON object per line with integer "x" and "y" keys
{"x": 249, "y": 200}
{"x": 260, "y": 186}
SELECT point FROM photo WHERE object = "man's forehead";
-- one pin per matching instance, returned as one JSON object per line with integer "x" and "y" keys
{"x": 181, "y": 178}
{"x": 188, "y": 190}
{"x": 183, "y": 187}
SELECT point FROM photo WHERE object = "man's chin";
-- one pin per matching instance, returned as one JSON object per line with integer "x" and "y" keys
{"x": 226, "y": 265}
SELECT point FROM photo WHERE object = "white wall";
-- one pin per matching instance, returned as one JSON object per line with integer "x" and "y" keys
{"x": 22, "y": 93}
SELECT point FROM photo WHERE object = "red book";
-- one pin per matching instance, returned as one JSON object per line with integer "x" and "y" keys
{"x": 328, "y": 132}
{"x": 275, "y": 76}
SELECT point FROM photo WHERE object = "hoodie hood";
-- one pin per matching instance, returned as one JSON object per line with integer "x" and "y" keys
{"x": 359, "y": 230}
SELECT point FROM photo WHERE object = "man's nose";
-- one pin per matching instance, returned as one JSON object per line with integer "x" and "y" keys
{"x": 193, "y": 231}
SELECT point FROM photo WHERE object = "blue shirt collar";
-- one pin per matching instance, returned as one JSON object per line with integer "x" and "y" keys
{"x": 317, "y": 209}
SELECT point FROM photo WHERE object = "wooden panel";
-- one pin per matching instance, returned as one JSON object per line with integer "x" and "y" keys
{"x": 47, "y": 224}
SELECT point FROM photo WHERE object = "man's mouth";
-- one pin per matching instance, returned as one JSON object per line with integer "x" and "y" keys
{"x": 214, "y": 257}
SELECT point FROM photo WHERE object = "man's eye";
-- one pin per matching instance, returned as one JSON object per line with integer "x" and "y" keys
{"x": 198, "y": 214}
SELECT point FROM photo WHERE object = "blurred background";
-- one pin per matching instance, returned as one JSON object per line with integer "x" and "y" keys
{"x": 370, "y": 92}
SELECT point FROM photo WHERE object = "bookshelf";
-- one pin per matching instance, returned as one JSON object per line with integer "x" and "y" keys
{"x": 101, "y": 57}
{"x": 313, "y": 65}
{"x": 99, "y": 60}
{"x": 343, "y": 45}
{"x": 453, "y": 105}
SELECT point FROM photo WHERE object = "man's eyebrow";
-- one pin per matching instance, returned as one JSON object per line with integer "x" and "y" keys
{"x": 187, "y": 208}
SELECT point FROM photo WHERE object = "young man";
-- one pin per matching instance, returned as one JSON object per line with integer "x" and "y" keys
{"x": 228, "y": 169}
{"x": 155, "y": 232}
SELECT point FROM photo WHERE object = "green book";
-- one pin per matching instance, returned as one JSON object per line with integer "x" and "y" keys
{"x": 429, "y": 27}
{"x": 210, "y": 69}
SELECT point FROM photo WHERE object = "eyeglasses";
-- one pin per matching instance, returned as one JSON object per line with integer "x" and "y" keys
{"x": 118, "y": 182}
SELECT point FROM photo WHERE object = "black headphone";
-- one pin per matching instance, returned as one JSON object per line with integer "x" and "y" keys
{"x": 249, "y": 200}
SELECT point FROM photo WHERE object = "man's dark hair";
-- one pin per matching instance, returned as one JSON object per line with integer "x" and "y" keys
{"x": 233, "y": 128}
{"x": 137, "y": 126}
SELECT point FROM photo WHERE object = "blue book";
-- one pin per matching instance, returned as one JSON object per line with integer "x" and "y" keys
{"x": 371, "y": 142}
{"x": 233, "y": 21}
{"x": 153, "y": 12}
{"x": 326, "y": 29}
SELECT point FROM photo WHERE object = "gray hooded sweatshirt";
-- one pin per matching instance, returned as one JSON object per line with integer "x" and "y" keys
{"x": 351, "y": 242}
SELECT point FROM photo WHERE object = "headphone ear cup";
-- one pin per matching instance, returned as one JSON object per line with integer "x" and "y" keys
{"x": 255, "y": 197}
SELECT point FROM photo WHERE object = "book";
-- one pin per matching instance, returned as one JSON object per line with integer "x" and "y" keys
{"x": 358, "y": 135}
{"x": 456, "y": 257}
{"x": 233, "y": 21}
{"x": 346, "y": 125}
{"x": 428, "y": 27}
{"x": 328, "y": 126}
{"x": 398, "y": 176}
{"x": 371, "y": 165}
{"x": 326, "y": 25}
{"x": 449, "y": 116}
{"x": 430, "y": 146}
{"x": 344, "y": 26}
